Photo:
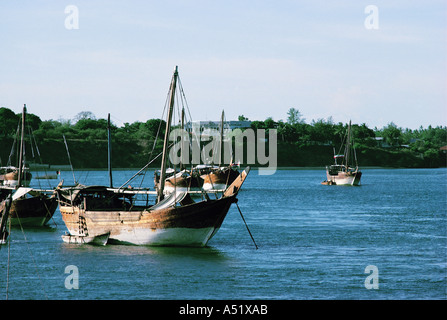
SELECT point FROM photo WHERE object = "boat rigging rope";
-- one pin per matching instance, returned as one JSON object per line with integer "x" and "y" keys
{"x": 49, "y": 212}
{"x": 33, "y": 142}
{"x": 246, "y": 226}
{"x": 141, "y": 170}
{"x": 31, "y": 254}
{"x": 12, "y": 152}
{"x": 7, "y": 268}
{"x": 69, "y": 158}
{"x": 185, "y": 103}
{"x": 144, "y": 170}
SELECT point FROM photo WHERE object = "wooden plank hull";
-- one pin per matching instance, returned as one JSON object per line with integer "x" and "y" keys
{"x": 173, "y": 184}
{"x": 90, "y": 212}
{"x": 219, "y": 179}
{"x": 180, "y": 183}
{"x": 36, "y": 211}
{"x": 189, "y": 225}
{"x": 33, "y": 211}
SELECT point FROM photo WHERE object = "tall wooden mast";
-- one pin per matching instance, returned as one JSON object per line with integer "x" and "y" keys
{"x": 221, "y": 146}
{"x": 19, "y": 182}
{"x": 348, "y": 145}
{"x": 168, "y": 129}
{"x": 109, "y": 149}
{"x": 182, "y": 165}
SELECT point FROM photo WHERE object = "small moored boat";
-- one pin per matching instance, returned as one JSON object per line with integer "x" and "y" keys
{"x": 344, "y": 173}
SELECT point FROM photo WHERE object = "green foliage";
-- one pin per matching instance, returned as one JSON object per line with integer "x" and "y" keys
{"x": 8, "y": 122}
{"x": 294, "y": 116}
{"x": 400, "y": 147}
{"x": 392, "y": 135}
{"x": 299, "y": 143}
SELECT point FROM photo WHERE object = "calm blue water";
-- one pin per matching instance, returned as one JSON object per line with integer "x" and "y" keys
{"x": 314, "y": 241}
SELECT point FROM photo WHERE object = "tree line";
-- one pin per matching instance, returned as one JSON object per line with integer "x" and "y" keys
{"x": 299, "y": 143}
{"x": 387, "y": 146}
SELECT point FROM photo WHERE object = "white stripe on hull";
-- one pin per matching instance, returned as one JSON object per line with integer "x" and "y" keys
{"x": 165, "y": 237}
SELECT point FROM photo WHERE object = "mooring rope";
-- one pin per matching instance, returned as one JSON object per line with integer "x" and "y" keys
{"x": 246, "y": 226}
{"x": 31, "y": 254}
{"x": 7, "y": 267}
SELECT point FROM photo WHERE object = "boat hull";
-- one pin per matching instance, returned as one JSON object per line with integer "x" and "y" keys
{"x": 189, "y": 225}
{"x": 194, "y": 237}
{"x": 35, "y": 211}
{"x": 97, "y": 240}
{"x": 344, "y": 178}
{"x": 179, "y": 183}
{"x": 219, "y": 179}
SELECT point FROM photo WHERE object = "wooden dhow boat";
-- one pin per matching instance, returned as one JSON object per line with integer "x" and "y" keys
{"x": 178, "y": 181}
{"x": 100, "y": 214}
{"x": 9, "y": 176}
{"x": 208, "y": 177}
{"x": 92, "y": 213}
{"x": 344, "y": 173}
{"x": 218, "y": 177}
{"x": 30, "y": 206}
{"x": 201, "y": 177}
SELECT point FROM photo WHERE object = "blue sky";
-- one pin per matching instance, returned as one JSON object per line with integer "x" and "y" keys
{"x": 251, "y": 58}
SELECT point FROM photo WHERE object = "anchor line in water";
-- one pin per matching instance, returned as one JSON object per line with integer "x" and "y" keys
{"x": 49, "y": 213}
{"x": 246, "y": 226}
{"x": 32, "y": 257}
{"x": 7, "y": 267}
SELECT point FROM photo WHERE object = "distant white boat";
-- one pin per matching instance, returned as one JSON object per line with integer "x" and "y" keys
{"x": 344, "y": 174}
